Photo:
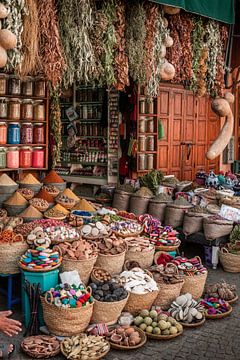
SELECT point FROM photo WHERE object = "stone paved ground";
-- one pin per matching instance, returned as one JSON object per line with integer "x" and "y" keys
{"x": 218, "y": 340}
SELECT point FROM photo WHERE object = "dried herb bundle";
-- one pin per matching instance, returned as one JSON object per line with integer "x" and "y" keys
{"x": 56, "y": 126}
{"x": 175, "y": 54}
{"x": 51, "y": 56}
{"x": 135, "y": 39}
{"x": 219, "y": 81}
{"x": 197, "y": 40}
{"x": 201, "y": 86}
{"x": 30, "y": 40}
{"x": 151, "y": 27}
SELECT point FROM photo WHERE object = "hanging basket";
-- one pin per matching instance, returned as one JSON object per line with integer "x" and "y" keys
{"x": 10, "y": 255}
{"x": 216, "y": 228}
{"x": 107, "y": 312}
{"x": 113, "y": 264}
{"x": 230, "y": 262}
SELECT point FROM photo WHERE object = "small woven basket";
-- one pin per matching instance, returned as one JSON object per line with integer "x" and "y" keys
{"x": 167, "y": 294}
{"x": 230, "y": 262}
{"x": 164, "y": 337}
{"x": 111, "y": 263}
{"x": 10, "y": 255}
{"x": 143, "y": 258}
{"x": 83, "y": 267}
{"x": 96, "y": 279}
{"x": 194, "y": 285}
{"x": 219, "y": 316}
{"x": 193, "y": 325}
{"x": 142, "y": 335}
{"x": 47, "y": 354}
{"x": 138, "y": 302}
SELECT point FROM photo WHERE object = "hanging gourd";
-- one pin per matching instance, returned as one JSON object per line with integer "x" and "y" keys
{"x": 3, "y": 11}
{"x": 171, "y": 10}
{"x": 167, "y": 71}
{"x": 8, "y": 40}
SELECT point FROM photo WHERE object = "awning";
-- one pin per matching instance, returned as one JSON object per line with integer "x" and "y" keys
{"x": 221, "y": 10}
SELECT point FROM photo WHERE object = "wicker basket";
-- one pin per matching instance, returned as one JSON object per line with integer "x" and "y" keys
{"x": 27, "y": 197}
{"x": 164, "y": 337}
{"x": 143, "y": 258}
{"x": 138, "y": 302}
{"x": 40, "y": 208}
{"x": 83, "y": 267}
{"x": 10, "y": 255}
{"x": 230, "y": 262}
{"x": 167, "y": 294}
{"x": 194, "y": 285}
{"x": 174, "y": 214}
{"x": 66, "y": 206}
{"x": 216, "y": 228}
{"x": 142, "y": 335}
{"x": 164, "y": 248}
{"x": 193, "y": 325}
{"x": 107, "y": 312}
{"x": 34, "y": 187}
{"x": 234, "y": 300}
{"x": 193, "y": 222}
{"x": 61, "y": 186}
{"x": 65, "y": 321}
{"x": 121, "y": 200}
{"x": 96, "y": 357}
{"x": 48, "y": 353}
{"x": 219, "y": 316}
{"x": 94, "y": 278}
{"x": 111, "y": 263}
{"x": 14, "y": 210}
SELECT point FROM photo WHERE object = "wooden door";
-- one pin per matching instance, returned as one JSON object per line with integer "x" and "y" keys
{"x": 201, "y": 142}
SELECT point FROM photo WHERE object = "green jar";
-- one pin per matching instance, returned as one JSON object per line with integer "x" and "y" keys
{"x": 2, "y": 158}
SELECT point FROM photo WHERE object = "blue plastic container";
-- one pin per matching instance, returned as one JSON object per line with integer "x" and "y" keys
{"x": 46, "y": 280}
{"x": 13, "y": 135}
{"x": 172, "y": 253}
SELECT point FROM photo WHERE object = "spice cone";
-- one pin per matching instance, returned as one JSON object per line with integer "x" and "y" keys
{"x": 16, "y": 199}
{"x": 52, "y": 178}
{"x": 29, "y": 179}
{"x": 69, "y": 193}
{"x": 6, "y": 180}
{"x": 84, "y": 205}
{"x": 31, "y": 212}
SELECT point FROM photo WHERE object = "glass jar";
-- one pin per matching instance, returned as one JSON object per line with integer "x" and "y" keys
{"x": 14, "y": 85}
{"x": 3, "y": 108}
{"x": 3, "y": 157}
{"x": 142, "y": 108}
{"x": 150, "y": 143}
{"x": 149, "y": 161}
{"x": 13, "y": 133}
{"x": 38, "y": 156}
{"x": 27, "y": 86}
{"x": 39, "y": 111}
{"x": 141, "y": 163}
{"x": 3, "y": 84}
{"x": 26, "y": 133}
{"x": 150, "y": 107}
{"x": 14, "y": 109}
{"x": 3, "y": 133}
{"x": 142, "y": 143}
{"x": 13, "y": 158}
{"x": 38, "y": 133}
{"x": 25, "y": 157}
{"x": 150, "y": 125}
{"x": 142, "y": 123}
{"x": 27, "y": 110}
{"x": 40, "y": 88}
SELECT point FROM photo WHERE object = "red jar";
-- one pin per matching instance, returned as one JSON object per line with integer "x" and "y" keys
{"x": 25, "y": 157}
{"x": 38, "y": 133}
{"x": 13, "y": 158}
{"x": 38, "y": 156}
{"x": 26, "y": 133}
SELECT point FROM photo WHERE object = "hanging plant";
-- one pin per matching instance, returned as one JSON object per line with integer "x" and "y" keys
{"x": 151, "y": 27}
{"x": 51, "y": 54}
{"x": 14, "y": 22}
{"x": 219, "y": 81}
{"x": 55, "y": 125}
{"x": 110, "y": 41}
{"x": 201, "y": 86}
{"x": 135, "y": 40}
{"x": 185, "y": 27}
{"x": 30, "y": 41}
{"x": 197, "y": 49}
{"x": 121, "y": 59}
{"x": 175, "y": 55}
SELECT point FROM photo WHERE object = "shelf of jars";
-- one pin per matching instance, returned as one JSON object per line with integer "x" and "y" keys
{"x": 24, "y": 107}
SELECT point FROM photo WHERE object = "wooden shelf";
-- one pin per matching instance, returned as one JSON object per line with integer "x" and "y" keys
{"x": 84, "y": 163}
{"x": 26, "y": 169}
{"x": 23, "y": 121}
{"x": 19, "y": 145}
{"x": 148, "y": 115}
{"x": 93, "y": 180}
{"x": 147, "y": 152}
{"x": 148, "y": 133}
{"x": 24, "y": 97}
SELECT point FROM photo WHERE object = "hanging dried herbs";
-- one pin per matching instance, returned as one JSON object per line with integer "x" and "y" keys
{"x": 55, "y": 126}
{"x": 110, "y": 41}
{"x": 197, "y": 49}
{"x": 121, "y": 59}
{"x": 175, "y": 55}
{"x": 14, "y": 23}
{"x": 219, "y": 81}
{"x": 201, "y": 86}
{"x": 151, "y": 24}
{"x": 30, "y": 40}
{"x": 51, "y": 55}
{"x": 185, "y": 28}
{"x": 135, "y": 40}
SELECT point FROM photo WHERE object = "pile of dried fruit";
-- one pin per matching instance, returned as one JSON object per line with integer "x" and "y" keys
{"x": 101, "y": 275}
{"x": 124, "y": 335}
{"x": 78, "y": 250}
{"x": 41, "y": 346}
{"x": 167, "y": 274}
{"x": 221, "y": 290}
{"x": 111, "y": 245}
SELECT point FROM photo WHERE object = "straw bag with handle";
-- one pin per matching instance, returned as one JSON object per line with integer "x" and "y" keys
{"x": 230, "y": 262}
{"x": 65, "y": 321}
{"x": 194, "y": 284}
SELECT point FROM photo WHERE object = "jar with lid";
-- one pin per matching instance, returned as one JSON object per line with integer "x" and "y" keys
{"x": 142, "y": 124}
{"x": 150, "y": 107}
{"x": 3, "y": 84}
{"x": 13, "y": 133}
{"x": 25, "y": 157}
{"x": 149, "y": 161}
{"x": 3, "y": 158}
{"x": 150, "y": 125}
{"x": 38, "y": 156}
{"x": 13, "y": 158}
{"x": 141, "y": 163}
{"x": 26, "y": 133}
{"x": 3, "y": 133}
{"x": 27, "y": 86}
{"x": 39, "y": 111}
{"x": 14, "y": 85}
{"x": 38, "y": 133}
{"x": 14, "y": 109}
{"x": 3, "y": 108}
{"x": 142, "y": 143}
{"x": 142, "y": 108}
{"x": 40, "y": 88}
{"x": 27, "y": 110}
{"x": 150, "y": 143}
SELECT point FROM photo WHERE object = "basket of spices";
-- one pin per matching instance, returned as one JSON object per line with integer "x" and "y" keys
{"x": 140, "y": 249}
{"x": 67, "y": 309}
{"x": 70, "y": 194}
{"x": 111, "y": 254}
{"x": 31, "y": 214}
{"x": 79, "y": 255}
{"x": 40, "y": 204}
{"x": 65, "y": 201}
{"x": 109, "y": 301}
{"x": 175, "y": 211}
{"x": 100, "y": 275}
{"x": 54, "y": 179}
{"x": 52, "y": 190}
{"x": 30, "y": 182}
{"x": 55, "y": 214}
{"x": 7, "y": 187}
{"x": 157, "y": 206}
{"x": 15, "y": 204}
{"x": 85, "y": 347}
{"x": 142, "y": 288}
{"x": 12, "y": 246}
{"x": 43, "y": 194}
{"x": 28, "y": 194}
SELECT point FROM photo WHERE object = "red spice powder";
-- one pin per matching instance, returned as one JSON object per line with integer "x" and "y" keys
{"x": 43, "y": 194}
{"x": 52, "y": 177}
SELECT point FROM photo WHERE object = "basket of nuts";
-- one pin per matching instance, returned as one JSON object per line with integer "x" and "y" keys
{"x": 40, "y": 204}
{"x": 67, "y": 202}
{"x": 100, "y": 275}
{"x": 28, "y": 194}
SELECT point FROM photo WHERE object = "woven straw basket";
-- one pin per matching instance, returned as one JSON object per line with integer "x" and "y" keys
{"x": 167, "y": 294}
{"x": 65, "y": 321}
{"x": 230, "y": 262}
{"x": 138, "y": 302}
{"x": 83, "y": 267}
{"x": 143, "y": 258}
{"x": 107, "y": 312}
{"x": 111, "y": 263}
{"x": 214, "y": 229}
{"x": 10, "y": 255}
